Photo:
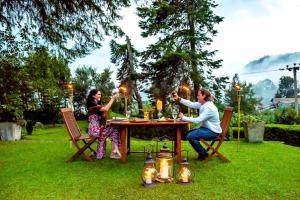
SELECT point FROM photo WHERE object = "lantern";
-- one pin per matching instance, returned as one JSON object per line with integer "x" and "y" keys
{"x": 184, "y": 174}
{"x": 164, "y": 164}
{"x": 149, "y": 172}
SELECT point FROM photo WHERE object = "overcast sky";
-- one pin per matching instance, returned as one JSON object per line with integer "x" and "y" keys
{"x": 251, "y": 29}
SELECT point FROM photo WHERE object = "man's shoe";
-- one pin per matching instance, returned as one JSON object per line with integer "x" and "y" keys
{"x": 202, "y": 157}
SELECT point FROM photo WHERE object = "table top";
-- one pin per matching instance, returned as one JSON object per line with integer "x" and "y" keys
{"x": 142, "y": 122}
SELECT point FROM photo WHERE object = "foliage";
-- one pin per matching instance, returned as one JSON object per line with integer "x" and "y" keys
{"x": 56, "y": 23}
{"x": 285, "y": 88}
{"x": 248, "y": 100}
{"x": 36, "y": 168}
{"x": 14, "y": 85}
{"x": 48, "y": 76}
{"x": 87, "y": 78}
{"x": 245, "y": 118}
{"x": 286, "y": 116}
{"x": 277, "y": 132}
{"x": 184, "y": 28}
{"x": 126, "y": 57}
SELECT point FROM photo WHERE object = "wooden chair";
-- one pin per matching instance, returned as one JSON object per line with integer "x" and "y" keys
{"x": 76, "y": 137}
{"x": 215, "y": 149}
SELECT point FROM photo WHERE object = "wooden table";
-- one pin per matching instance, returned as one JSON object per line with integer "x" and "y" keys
{"x": 152, "y": 123}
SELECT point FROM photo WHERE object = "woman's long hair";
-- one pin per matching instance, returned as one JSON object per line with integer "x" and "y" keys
{"x": 90, "y": 102}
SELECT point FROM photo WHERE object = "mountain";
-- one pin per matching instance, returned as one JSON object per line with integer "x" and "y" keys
{"x": 265, "y": 89}
{"x": 272, "y": 62}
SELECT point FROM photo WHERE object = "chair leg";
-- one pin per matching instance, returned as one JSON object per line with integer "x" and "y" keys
{"x": 81, "y": 151}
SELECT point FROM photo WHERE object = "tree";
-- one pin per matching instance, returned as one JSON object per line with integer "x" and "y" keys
{"x": 72, "y": 27}
{"x": 286, "y": 87}
{"x": 248, "y": 100}
{"x": 126, "y": 56}
{"x": 13, "y": 89}
{"x": 48, "y": 75}
{"x": 184, "y": 28}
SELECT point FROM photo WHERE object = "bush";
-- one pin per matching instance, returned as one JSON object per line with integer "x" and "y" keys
{"x": 277, "y": 132}
{"x": 38, "y": 125}
{"x": 286, "y": 116}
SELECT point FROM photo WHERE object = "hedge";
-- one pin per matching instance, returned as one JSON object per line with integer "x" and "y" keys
{"x": 276, "y": 132}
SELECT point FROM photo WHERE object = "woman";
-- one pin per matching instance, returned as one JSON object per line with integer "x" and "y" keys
{"x": 97, "y": 125}
{"x": 208, "y": 118}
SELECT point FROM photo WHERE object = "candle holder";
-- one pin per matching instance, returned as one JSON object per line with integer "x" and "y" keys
{"x": 164, "y": 163}
{"x": 149, "y": 171}
{"x": 184, "y": 175}
{"x": 159, "y": 114}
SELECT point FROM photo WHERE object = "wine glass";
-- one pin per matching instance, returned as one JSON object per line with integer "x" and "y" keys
{"x": 175, "y": 111}
{"x": 128, "y": 113}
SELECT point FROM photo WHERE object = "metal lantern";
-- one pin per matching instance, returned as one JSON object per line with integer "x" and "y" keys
{"x": 149, "y": 172}
{"x": 164, "y": 164}
{"x": 184, "y": 174}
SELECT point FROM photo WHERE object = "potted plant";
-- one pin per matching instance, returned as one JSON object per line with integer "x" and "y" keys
{"x": 254, "y": 128}
{"x": 148, "y": 111}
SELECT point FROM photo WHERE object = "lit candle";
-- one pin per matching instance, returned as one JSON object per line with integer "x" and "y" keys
{"x": 184, "y": 175}
{"x": 164, "y": 169}
{"x": 159, "y": 104}
{"x": 148, "y": 178}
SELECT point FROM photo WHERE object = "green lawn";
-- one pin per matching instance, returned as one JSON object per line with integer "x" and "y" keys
{"x": 36, "y": 168}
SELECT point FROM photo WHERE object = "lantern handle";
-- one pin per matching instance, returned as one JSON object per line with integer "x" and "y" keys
{"x": 187, "y": 154}
{"x": 147, "y": 150}
{"x": 163, "y": 139}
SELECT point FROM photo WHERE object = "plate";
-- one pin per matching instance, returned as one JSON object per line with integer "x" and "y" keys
{"x": 119, "y": 119}
{"x": 138, "y": 120}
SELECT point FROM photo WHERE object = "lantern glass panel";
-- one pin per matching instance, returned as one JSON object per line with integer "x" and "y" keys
{"x": 164, "y": 167}
{"x": 184, "y": 174}
{"x": 149, "y": 173}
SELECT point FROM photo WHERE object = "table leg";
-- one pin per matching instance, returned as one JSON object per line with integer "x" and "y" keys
{"x": 123, "y": 141}
{"x": 178, "y": 139}
{"x": 128, "y": 140}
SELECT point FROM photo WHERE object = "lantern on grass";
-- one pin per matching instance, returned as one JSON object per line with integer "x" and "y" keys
{"x": 184, "y": 173}
{"x": 164, "y": 164}
{"x": 149, "y": 172}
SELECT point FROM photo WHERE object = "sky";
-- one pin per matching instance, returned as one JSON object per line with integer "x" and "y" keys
{"x": 251, "y": 29}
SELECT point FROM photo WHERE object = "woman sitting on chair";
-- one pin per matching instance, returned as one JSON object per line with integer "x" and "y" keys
{"x": 97, "y": 125}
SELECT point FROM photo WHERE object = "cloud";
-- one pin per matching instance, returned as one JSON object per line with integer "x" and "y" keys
{"x": 256, "y": 29}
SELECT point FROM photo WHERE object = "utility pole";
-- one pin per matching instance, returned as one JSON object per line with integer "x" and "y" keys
{"x": 294, "y": 69}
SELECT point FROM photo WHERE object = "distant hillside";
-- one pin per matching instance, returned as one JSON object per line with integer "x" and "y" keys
{"x": 273, "y": 62}
{"x": 266, "y": 90}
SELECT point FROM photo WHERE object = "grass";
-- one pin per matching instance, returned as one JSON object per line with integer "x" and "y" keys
{"x": 36, "y": 168}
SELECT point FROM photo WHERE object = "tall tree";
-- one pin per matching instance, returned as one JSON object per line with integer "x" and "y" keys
{"x": 285, "y": 88}
{"x": 72, "y": 27}
{"x": 184, "y": 28}
{"x": 248, "y": 100}
{"x": 48, "y": 74}
{"x": 126, "y": 56}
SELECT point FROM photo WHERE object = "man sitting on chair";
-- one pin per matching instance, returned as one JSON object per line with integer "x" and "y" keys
{"x": 208, "y": 118}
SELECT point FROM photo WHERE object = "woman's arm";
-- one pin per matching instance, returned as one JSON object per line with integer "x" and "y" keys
{"x": 107, "y": 106}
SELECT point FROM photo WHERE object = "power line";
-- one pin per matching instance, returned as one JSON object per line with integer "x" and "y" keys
{"x": 260, "y": 72}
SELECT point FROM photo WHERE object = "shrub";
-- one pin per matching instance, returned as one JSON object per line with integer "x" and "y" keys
{"x": 286, "y": 116}
{"x": 277, "y": 132}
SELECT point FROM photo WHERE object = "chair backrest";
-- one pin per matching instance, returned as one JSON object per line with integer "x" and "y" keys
{"x": 226, "y": 121}
{"x": 71, "y": 123}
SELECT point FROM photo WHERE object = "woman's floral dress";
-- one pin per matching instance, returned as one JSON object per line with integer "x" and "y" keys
{"x": 102, "y": 132}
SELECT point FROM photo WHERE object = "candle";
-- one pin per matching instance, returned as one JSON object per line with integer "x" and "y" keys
{"x": 184, "y": 176}
{"x": 159, "y": 104}
{"x": 148, "y": 178}
{"x": 164, "y": 169}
